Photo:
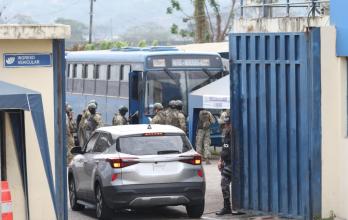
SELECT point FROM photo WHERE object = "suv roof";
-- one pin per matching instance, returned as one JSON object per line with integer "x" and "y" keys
{"x": 123, "y": 130}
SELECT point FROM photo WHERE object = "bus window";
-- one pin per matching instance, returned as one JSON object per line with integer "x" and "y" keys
{"x": 74, "y": 71}
{"x": 115, "y": 72}
{"x": 108, "y": 72}
{"x": 96, "y": 71}
{"x": 125, "y": 72}
{"x": 101, "y": 76}
{"x": 79, "y": 70}
{"x": 102, "y": 72}
{"x": 67, "y": 72}
{"x": 90, "y": 71}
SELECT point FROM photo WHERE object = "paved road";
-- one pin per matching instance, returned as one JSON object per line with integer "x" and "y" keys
{"x": 213, "y": 199}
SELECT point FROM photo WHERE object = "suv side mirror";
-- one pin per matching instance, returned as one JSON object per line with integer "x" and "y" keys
{"x": 76, "y": 150}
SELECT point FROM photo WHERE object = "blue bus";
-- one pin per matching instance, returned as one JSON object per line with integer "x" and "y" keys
{"x": 137, "y": 78}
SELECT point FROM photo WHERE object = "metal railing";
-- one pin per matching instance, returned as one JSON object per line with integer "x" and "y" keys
{"x": 305, "y": 8}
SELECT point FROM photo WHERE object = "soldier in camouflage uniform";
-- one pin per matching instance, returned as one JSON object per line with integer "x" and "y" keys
{"x": 172, "y": 117}
{"x": 81, "y": 133}
{"x": 160, "y": 116}
{"x": 94, "y": 120}
{"x": 225, "y": 167}
{"x": 70, "y": 127}
{"x": 181, "y": 116}
{"x": 119, "y": 118}
{"x": 203, "y": 134}
{"x": 225, "y": 113}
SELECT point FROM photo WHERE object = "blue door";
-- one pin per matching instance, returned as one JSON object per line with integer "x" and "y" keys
{"x": 275, "y": 103}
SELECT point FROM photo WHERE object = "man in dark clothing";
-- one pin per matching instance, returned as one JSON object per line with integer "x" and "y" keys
{"x": 225, "y": 167}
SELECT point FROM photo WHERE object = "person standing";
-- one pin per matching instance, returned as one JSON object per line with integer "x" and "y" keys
{"x": 225, "y": 167}
{"x": 225, "y": 113}
{"x": 82, "y": 124}
{"x": 120, "y": 117}
{"x": 94, "y": 120}
{"x": 203, "y": 134}
{"x": 172, "y": 117}
{"x": 70, "y": 127}
{"x": 160, "y": 116}
{"x": 181, "y": 116}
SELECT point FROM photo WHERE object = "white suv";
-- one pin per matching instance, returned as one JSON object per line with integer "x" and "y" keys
{"x": 134, "y": 166}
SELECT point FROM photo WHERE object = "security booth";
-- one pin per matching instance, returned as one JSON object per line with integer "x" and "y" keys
{"x": 32, "y": 119}
{"x": 213, "y": 97}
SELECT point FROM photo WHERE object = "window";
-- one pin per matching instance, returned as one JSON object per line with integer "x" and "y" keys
{"x": 125, "y": 72}
{"x": 74, "y": 74}
{"x": 115, "y": 72}
{"x": 108, "y": 72}
{"x": 103, "y": 143}
{"x": 91, "y": 142}
{"x": 90, "y": 71}
{"x": 79, "y": 70}
{"x": 67, "y": 71}
{"x": 154, "y": 145}
{"x": 102, "y": 72}
{"x": 96, "y": 71}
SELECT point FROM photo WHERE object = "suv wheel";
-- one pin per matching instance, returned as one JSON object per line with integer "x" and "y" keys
{"x": 196, "y": 210}
{"x": 102, "y": 210}
{"x": 73, "y": 198}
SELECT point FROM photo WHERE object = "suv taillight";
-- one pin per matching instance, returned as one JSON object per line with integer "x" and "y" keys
{"x": 195, "y": 160}
{"x": 122, "y": 162}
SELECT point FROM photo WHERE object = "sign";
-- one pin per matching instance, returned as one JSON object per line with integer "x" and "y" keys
{"x": 216, "y": 102}
{"x": 190, "y": 62}
{"x": 27, "y": 60}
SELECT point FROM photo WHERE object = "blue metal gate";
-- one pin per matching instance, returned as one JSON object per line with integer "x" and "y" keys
{"x": 275, "y": 90}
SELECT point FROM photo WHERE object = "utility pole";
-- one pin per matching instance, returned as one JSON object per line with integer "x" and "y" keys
{"x": 90, "y": 21}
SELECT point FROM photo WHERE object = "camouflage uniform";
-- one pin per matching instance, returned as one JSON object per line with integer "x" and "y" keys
{"x": 82, "y": 127}
{"x": 70, "y": 126}
{"x": 224, "y": 114}
{"x": 159, "y": 118}
{"x": 93, "y": 122}
{"x": 118, "y": 119}
{"x": 182, "y": 121}
{"x": 203, "y": 134}
{"x": 172, "y": 117}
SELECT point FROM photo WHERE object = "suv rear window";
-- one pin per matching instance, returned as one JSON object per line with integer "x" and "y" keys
{"x": 153, "y": 145}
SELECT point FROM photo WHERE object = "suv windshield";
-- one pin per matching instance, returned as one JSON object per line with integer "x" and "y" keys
{"x": 154, "y": 145}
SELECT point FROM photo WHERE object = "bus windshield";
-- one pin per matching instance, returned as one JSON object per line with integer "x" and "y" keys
{"x": 165, "y": 85}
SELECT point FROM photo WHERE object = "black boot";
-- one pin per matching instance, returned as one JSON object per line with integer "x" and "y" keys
{"x": 226, "y": 209}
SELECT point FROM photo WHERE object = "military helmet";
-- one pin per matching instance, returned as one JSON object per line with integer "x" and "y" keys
{"x": 179, "y": 104}
{"x": 158, "y": 106}
{"x": 68, "y": 108}
{"x": 92, "y": 105}
{"x": 172, "y": 104}
{"x": 93, "y": 101}
{"x": 123, "y": 108}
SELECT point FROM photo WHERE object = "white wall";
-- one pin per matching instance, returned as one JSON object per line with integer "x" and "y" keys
{"x": 334, "y": 127}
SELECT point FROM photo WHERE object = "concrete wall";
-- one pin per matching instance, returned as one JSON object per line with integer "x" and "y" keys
{"x": 39, "y": 79}
{"x": 334, "y": 128}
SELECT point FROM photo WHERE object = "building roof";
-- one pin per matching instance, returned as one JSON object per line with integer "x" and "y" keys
{"x": 29, "y": 31}
{"x": 125, "y": 130}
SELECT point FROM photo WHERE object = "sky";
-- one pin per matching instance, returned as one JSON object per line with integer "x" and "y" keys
{"x": 117, "y": 14}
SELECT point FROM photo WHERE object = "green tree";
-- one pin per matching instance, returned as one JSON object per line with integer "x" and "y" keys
{"x": 142, "y": 43}
{"x": 203, "y": 28}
